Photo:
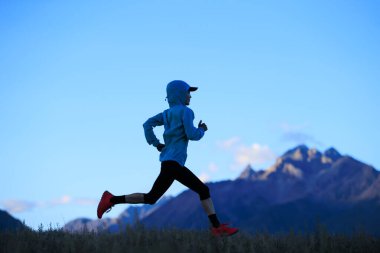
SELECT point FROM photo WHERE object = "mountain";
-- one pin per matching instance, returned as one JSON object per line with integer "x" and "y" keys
{"x": 130, "y": 215}
{"x": 302, "y": 188}
{"x": 7, "y": 222}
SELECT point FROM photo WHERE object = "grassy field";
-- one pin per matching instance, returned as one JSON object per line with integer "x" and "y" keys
{"x": 140, "y": 239}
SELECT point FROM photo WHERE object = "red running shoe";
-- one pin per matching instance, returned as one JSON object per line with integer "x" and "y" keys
{"x": 224, "y": 230}
{"x": 105, "y": 204}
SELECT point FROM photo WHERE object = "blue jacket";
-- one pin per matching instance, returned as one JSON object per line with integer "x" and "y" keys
{"x": 178, "y": 124}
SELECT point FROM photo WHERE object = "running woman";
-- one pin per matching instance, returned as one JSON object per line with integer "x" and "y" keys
{"x": 179, "y": 129}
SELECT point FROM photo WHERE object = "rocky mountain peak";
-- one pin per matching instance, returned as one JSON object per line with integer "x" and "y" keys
{"x": 247, "y": 173}
{"x": 299, "y": 153}
{"x": 332, "y": 153}
{"x": 251, "y": 174}
{"x": 302, "y": 153}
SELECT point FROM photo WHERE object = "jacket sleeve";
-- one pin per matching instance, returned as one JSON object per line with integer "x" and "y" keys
{"x": 192, "y": 132}
{"x": 148, "y": 129}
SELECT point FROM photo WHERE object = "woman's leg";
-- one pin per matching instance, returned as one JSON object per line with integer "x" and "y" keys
{"x": 134, "y": 198}
{"x": 187, "y": 178}
{"x": 160, "y": 186}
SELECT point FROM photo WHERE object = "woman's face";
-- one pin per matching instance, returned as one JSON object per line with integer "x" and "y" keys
{"x": 188, "y": 97}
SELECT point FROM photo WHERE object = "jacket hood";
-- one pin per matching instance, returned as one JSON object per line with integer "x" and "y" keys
{"x": 176, "y": 92}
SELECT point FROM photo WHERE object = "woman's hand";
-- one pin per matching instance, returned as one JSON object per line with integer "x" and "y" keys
{"x": 160, "y": 147}
{"x": 202, "y": 125}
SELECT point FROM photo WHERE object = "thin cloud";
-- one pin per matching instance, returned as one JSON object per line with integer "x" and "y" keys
{"x": 19, "y": 206}
{"x": 297, "y": 134}
{"x": 204, "y": 177}
{"x": 86, "y": 201}
{"x": 64, "y": 200}
{"x": 286, "y": 127}
{"x": 255, "y": 154}
{"x": 229, "y": 144}
{"x": 212, "y": 167}
{"x": 297, "y": 137}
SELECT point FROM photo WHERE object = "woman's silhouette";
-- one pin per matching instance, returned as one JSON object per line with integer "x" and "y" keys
{"x": 179, "y": 129}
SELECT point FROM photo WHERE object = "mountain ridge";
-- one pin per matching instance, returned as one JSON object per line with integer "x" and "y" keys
{"x": 302, "y": 187}
{"x": 9, "y": 223}
{"x": 130, "y": 216}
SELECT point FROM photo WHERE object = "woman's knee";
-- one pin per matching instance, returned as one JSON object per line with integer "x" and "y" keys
{"x": 150, "y": 199}
{"x": 204, "y": 192}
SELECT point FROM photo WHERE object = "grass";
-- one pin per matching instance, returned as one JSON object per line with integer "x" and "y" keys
{"x": 140, "y": 239}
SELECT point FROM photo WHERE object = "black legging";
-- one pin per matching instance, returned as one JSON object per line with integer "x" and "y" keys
{"x": 170, "y": 171}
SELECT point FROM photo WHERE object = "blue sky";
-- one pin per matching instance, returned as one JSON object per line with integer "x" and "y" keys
{"x": 79, "y": 78}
